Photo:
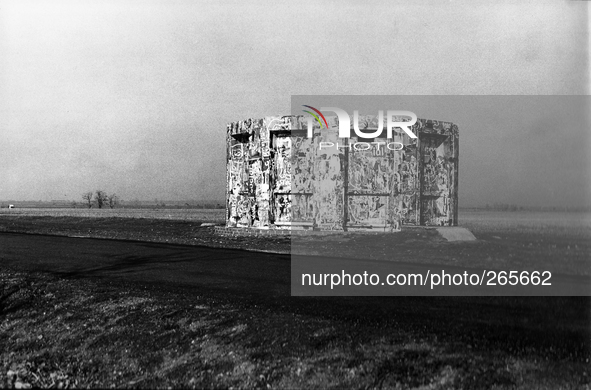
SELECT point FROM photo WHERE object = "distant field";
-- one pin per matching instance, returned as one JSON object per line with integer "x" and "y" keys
{"x": 209, "y": 215}
{"x": 479, "y": 220}
{"x": 557, "y": 224}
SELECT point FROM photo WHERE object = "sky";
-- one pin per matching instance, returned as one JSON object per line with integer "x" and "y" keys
{"x": 133, "y": 97}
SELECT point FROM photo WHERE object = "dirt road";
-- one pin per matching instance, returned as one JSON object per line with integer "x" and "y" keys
{"x": 228, "y": 270}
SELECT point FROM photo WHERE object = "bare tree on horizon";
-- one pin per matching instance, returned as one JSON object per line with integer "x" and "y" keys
{"x": 101, "y": 198}
{"x": 113, "y": 200}
{"x": 87, "y": 196}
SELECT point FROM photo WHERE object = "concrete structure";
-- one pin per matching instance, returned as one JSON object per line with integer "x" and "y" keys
{"x": 279, "y": 177}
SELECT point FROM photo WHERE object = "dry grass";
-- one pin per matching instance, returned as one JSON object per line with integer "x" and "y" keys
{"x": 202, "y": 215}
{"x": 66, "y": 333}
{"x": 557, "y": 224}
{"x": 61, "y": 333}
{"x": 562, "y": 223}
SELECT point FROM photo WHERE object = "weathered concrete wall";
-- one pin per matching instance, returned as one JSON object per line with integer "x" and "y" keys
{"x": 280, "y": 178}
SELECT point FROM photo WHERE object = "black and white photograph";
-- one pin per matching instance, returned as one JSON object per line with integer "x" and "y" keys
{"x": 295, "y": 195}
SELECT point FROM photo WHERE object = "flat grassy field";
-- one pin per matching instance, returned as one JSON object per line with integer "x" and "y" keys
{"x": 572, "y": 224}
{"x": 201, "y": 215}
{"x": 91, "y": 332}
{"x": 83, "y": 332}
{"x": 555, "y": 223}
{"x": 555, "y": 241}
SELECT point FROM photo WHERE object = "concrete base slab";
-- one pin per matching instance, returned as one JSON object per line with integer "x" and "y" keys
{"x": 456, "y": 233}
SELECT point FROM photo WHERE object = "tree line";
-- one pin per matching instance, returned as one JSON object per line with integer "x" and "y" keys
{"x": 101, "y": 199}
{"x": 503, "y": 207}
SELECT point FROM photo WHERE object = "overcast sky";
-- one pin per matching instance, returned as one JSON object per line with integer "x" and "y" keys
{"x": 133, "y": 96}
